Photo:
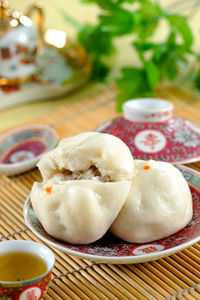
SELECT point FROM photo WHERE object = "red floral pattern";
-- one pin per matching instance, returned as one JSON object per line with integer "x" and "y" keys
{"x": 182, "y": 141}
{"x": 14, "y": 292}
{"x": 31, "y": 295}
{"x": 149, "y": 249}
{"x": 150, "y": 140}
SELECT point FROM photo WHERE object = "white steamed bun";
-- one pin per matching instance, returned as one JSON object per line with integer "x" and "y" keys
{"x": 158, "y": 205}
{"x": 86, "y": 181}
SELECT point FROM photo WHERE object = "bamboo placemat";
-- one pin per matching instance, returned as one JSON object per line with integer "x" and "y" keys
{"x": 173, "y": 277}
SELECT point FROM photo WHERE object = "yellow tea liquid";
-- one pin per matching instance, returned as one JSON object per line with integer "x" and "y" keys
{"x": 18, "y": 266}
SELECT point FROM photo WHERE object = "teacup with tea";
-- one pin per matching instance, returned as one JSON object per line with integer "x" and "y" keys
{"x": 25, "y": 269}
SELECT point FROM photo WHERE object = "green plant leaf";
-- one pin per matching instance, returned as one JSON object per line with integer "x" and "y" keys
{"x": 120, "y": 99}
{"x": 150, "y": 9}
{"x": 129, "y": 84}
{"x": 167, "y": 66}
{"x": 96, "y": 42}
{"x": 143, "y": 91}
{"x": 132, "y": 83}
{"x": 197, "y": 80}
{"x": 144, "y": 46}
{"x": 153, "y": 74}
{"x": 180, "y": 23}
{"x": 146, "y": 28}
{"x": 118, "y": 22}
{"x": 100, "y": 70}
{"x": 131, "y": 71}
{"x": 129, "y": 1}
{"x": 159, "y": 61}
{"x": 104, "y": 4}
{"x": 108, "y": 4}
{"x": 130, "y": 80}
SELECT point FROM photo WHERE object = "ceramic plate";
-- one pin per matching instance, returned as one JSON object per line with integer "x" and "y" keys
{"x": 176, "y": 141}
{"x": 22, "y": 148}
{"x": 112, "y": 250}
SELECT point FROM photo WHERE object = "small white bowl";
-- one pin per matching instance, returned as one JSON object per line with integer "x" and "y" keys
{"x": 22, "y": 148}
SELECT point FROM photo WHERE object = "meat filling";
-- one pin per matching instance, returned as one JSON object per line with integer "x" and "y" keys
{"x": 92, "y": 173}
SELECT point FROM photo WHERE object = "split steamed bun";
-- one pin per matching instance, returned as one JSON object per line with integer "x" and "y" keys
{"x": 106, "y": 152}
{"x": 158, "y": 205}
{"x": 86, "y": 181}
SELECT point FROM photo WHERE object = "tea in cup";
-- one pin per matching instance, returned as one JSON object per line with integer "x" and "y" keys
{"x": 25, "y": 269}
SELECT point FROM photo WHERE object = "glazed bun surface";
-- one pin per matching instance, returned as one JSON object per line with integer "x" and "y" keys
{"x": 158, "y": 205}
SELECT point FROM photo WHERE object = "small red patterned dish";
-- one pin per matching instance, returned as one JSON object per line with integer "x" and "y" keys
{"x": 150, "y": 130}
{"x": 28, "y": 289}
{"x": 21, "y": 149}
{"x": 110, "y": 249}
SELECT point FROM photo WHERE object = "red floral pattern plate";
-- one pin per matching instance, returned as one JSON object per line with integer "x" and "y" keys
{"x": 175, "y": 140}
{"x": 22, "y": 148}
{"x": 110, "y": 249}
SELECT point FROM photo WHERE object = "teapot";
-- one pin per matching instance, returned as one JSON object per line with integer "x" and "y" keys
{"x": 20, "y": 41}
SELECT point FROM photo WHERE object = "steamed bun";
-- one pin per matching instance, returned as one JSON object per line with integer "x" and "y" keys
{"x": 158, "y": 205}
{"x": 86, "y": 181}
{"x": 104, "y": 151}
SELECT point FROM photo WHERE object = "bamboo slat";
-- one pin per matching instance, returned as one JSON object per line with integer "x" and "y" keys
{"x": 174, "y": 277}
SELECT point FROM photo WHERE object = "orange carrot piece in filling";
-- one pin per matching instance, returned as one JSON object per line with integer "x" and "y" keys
{"x": 48, "y": 189}
{"x": 146, "y": 167}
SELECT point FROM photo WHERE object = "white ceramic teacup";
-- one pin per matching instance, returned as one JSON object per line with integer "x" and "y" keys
{"x": 35, "y": 287}
{"x": 147, "y": 110}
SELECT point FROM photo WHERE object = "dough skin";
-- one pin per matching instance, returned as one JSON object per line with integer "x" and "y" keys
{"x": 81, "y": 211}
{"x": 108, "y": 153}
{"x": 158, "y": 205}
{"x": 78, "y": 212}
